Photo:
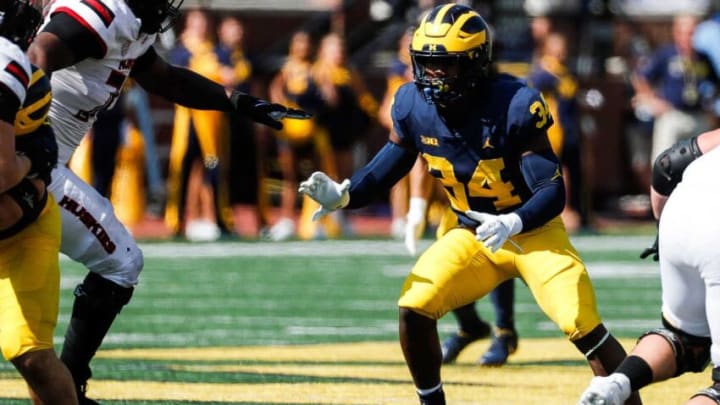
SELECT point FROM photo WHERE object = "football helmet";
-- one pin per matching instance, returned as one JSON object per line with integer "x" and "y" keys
{"x": 19, "y": 21}
{"x": 156, "y": 16}
{"x": 451, "y": 51}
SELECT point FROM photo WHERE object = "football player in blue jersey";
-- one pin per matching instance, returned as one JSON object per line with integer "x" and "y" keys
{"x": 484, "y": 137}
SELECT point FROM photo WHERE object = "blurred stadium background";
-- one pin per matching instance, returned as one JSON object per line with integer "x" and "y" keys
{"x": 247, "y": 322}
{"x": 605, "y": 40}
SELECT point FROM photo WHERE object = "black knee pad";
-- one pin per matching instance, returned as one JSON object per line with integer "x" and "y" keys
{"x": 99, "y": 295}
{"x": 692, "y": 353}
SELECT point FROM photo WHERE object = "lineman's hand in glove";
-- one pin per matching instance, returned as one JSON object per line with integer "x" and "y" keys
{"x": 414, "y": 223}
{"x": 651, "y": 250}
{"x": 494, "y": 230}
{"x": 265, "y": 112}
{"x": 326, "y": 192}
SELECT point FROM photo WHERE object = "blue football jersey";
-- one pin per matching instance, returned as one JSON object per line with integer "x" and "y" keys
{"x": 479, "y": 163}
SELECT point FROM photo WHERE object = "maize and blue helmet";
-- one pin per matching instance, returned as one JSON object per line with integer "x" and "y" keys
{"x": 455, "y": 40}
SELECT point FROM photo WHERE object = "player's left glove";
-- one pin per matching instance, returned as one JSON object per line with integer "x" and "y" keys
{"x": 326, "y": 192}
{"x": 651, "y": 250}
{"x": 414, "y": 223}
{"x": 494, "y": 230}
{"x": 263, "y": 111}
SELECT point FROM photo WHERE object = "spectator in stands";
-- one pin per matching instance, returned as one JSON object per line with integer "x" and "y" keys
{"x": 399, "y": 72}
{"x": 299, "y": 140}
{"x": 675, "y": 87}
{"x": 348, "y": 107}
{"x": 197, "y": 194}
{"x": 245, "y": 164}
{"x": 705, "y": 42}
{"x": 551, "y": 75}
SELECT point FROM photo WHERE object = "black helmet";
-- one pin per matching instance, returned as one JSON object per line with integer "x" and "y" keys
{"x": 19, "y": 21}
{"x": 155, "y": 15}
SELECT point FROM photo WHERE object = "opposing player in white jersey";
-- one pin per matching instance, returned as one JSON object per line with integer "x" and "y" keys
{"x": 91, "y": 47}
{"x": 689, "y": 273}
{"x": 29, "y": 217}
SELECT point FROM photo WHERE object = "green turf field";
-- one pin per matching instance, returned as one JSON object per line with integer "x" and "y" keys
{"x": 315, "y": 322}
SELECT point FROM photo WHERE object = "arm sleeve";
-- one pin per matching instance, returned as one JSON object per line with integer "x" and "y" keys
{"x": 145, "y": 60}
{"x": 388, "y": 166}
{"x": 9, "y": 104}
{"x": 78, "y": 34}
{"x": 542, "y": 174}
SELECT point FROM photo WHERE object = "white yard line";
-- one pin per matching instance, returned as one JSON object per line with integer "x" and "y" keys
{"x": 339, "y": 248}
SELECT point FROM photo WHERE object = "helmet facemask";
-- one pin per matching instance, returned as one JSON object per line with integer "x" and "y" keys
{"x": 156, "y": 16}
{"x": 446, "y": 79}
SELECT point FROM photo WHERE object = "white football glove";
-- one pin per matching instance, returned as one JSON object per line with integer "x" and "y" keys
{"x": 494, "y": 230}
{"x": 326, "y": 192}
{"x": 414, "y": 223}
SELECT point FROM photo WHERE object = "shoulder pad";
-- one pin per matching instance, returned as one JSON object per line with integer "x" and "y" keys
{"x": 34, "y": 110}
{"x": 14, "y": 68}
{"x": 404, "y": 100}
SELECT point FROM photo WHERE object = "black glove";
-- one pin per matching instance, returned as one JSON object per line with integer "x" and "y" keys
{"x": 42, "y": 150}
{"x": 263, "y": 111}
{"x": 651, "y": 250}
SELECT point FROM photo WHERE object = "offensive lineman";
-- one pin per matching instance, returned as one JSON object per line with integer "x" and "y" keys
{"x": 91, "y": 47}
{"x": 484, "y": 137}
{"x": 29, "y": 217}
{"x": 685, "y": 200}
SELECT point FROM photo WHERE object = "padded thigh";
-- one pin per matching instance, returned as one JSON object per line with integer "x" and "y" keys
{"x": 29, "y": 285}
{"x": 457, "y": 270}
{"x": 453, "y": 271}
{"x": 92, "y": 234}
{"x": 558, "y": 279}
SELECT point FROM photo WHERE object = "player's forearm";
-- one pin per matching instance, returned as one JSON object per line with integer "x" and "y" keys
{"x": 187, "y": 88}
{"x": 388, "y": 166}
{"x": 542, "y": 175}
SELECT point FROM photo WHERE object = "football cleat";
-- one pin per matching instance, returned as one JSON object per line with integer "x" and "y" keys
{"x": 611, "y": 390}
{"x": 202, "y": 231}
{"x": 504, "y": 344}
{"x": 284, "y": 229}
{"x": 458, "y": 341}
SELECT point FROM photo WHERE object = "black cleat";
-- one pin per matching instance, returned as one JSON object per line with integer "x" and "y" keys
{"x": 82, "y": 398}
{"x": 459, "y": 340}
{"x": 503, "y": 345}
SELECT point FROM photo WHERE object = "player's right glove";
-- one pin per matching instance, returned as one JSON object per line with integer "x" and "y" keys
{"x": 495, "y": 230}
{"x": 414, "y": 223}
{"x": 265, "y": 112}
{"x": 651, "y": 250}
{"x": 42, "y": 150}
{"x": 326, "y": 192}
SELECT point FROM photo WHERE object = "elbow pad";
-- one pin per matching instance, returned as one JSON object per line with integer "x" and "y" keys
{"x": 670, "y": 165}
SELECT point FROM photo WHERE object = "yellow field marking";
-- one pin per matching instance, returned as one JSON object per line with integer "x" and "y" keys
{"x": 534, "y": 375}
